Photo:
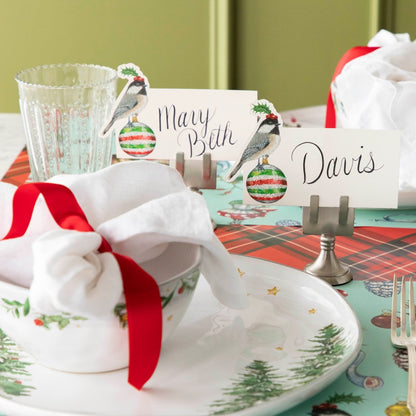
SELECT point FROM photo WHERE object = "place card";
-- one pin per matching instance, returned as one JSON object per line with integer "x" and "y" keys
{"x": 191, "y": 121}
{"x": 361, "y": 164}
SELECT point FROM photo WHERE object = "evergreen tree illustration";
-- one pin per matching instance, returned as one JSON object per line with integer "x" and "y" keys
{"x": 257, "y": 383}
{"x": 328, "y": 350}
{"x": 11, "y": 367}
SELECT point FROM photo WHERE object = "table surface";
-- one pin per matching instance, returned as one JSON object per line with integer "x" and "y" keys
{"x": 376, "y": 383}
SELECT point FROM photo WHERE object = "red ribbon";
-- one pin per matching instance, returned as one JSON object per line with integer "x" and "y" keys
{"x": 144, "y": 310}
{"x": 330, "y": 120}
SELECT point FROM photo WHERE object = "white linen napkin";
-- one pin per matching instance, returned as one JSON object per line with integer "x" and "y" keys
{"x": 378, "y": 91}
{"x": 138, "y": 207}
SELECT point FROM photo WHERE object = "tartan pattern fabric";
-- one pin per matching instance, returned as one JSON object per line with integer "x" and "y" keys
{"x": 372, "y": 253}
{"x": 19, "y": 171}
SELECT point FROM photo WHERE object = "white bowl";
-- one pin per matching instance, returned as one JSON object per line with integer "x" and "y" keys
{"x": 76, "y": 344}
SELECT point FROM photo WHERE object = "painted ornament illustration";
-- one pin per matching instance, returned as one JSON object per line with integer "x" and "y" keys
{"x": 366, "y": 382}
{"x": 398, "y": 409}
{"x": 331, "y": 406}
{"x": 265, "y": 183}
{"x": 135, "y": 138}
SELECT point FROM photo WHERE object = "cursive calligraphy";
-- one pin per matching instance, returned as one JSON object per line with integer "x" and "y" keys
{"x": 195, "y": 129}
{"x": 316, "y": 165}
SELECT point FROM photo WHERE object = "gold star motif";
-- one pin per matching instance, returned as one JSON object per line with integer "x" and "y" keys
{"x": 240, "y": 272}
{"x": 279, "y": 348}
{"x": 273, "y": 291}
{"x": 169, "y": 317}
{"x": 312, "y": 311}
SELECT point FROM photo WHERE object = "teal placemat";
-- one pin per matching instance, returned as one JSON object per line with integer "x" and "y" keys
{"x": 226, "y": 207}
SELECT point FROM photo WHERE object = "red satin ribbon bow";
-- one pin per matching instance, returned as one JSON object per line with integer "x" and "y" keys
{"x": 144, "y": 310}
{"x": 330, "y": 120}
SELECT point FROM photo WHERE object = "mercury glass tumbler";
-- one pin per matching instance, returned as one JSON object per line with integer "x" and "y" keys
{"x": 64, "y": 107}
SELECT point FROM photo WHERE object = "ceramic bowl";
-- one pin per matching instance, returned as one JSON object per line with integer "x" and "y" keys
{"x": 77, "y": 344}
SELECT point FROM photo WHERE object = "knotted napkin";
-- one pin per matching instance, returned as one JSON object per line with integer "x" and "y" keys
{"x": 130, "y": 213}
{"x": 378, "y": 91}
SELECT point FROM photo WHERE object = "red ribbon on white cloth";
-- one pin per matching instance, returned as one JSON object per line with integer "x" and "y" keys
{"x": 331, "y": 120}
{"x": 143, "y": 304}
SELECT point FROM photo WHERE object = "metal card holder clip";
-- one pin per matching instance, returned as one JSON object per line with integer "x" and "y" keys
{"x": 328, "y": 222}
{"x": 197, "y": 174}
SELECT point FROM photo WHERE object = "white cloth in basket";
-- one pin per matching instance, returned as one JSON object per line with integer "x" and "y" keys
{"x": 378, "y": 91}
{"x": 138, "y": 207}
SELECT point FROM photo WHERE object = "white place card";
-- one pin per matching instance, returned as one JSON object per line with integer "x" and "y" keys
{"x": 191, "y": 121}
{"x": 362, "y": 164}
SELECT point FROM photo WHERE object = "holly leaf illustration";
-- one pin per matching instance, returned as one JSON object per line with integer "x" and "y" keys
{"x": 78, "y": 318}
{"x": 261, "y": 108}
{"x": 344, "y": 398}
{"x": 129, "y": 72}
{"x": 62, "y": 323}
{"x": 12, "y": 302}
{"x": 26, "y": 307}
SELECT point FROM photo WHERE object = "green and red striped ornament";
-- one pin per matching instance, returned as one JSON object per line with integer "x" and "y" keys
{"x": 266, "y": 184}
{"x": 137, "y": 139}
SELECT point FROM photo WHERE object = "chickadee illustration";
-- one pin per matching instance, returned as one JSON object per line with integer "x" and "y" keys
{"x": 263, "y": 142}
{"x": 131, "y": 100}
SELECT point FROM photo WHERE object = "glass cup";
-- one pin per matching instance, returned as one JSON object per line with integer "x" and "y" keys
{"x": 64, "y": 107}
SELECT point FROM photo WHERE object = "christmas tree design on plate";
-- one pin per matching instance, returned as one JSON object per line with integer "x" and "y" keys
{"x": 12, "y": 369}
{"x": 328, "y": 350}
{"x": 260, "y": 381}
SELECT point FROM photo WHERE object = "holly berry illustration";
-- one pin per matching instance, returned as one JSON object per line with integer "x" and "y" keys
{"x": 38, "y": 322}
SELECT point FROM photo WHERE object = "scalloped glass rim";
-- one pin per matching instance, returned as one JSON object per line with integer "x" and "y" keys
{"x": 112, "y": 76}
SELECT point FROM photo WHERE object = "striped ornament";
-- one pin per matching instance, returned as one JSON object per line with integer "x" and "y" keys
{"x": 266, "y": 184}
{"x": 136, "y": 139}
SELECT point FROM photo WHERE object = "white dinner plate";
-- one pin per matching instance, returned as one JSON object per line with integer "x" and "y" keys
{"x": 297, "y": 336}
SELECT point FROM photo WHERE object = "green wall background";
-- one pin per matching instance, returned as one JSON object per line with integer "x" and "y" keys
{"x": 285, "y": 49}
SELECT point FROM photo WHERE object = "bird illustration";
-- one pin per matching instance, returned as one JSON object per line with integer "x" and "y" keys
{"x": 133, "y": 97}
{"x": 262, "y": 143}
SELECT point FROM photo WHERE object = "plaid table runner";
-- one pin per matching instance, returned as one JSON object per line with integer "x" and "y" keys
{"x": 374, "y": 255}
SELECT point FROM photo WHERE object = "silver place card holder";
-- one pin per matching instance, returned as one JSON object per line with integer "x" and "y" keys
{"x": 197, "y": 174}
{"x": 328, "y": 222}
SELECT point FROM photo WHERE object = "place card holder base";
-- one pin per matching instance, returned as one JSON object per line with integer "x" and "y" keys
{"x": 328, "y": 222}
{"x": 197, "y": 174}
